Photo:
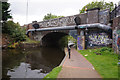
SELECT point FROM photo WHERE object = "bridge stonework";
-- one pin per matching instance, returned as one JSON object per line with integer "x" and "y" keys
{"x": 92, "y": 16}
{"x": 39, "y": 36}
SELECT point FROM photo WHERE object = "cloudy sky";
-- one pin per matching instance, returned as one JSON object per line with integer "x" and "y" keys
{"x": 38, "y": 8}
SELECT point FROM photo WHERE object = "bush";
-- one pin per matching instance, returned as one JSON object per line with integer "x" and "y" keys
{"x": 13, "y": 46}
{"x": 14, "y": 31}
{"x": 105, "y": 50}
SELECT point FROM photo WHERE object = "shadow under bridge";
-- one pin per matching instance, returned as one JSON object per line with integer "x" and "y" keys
{"x": 52, "y": 39}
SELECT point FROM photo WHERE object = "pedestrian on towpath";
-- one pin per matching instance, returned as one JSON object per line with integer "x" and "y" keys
{"x": 69, "y": 49}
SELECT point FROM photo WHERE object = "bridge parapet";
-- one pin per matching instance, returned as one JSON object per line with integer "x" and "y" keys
{"x": 63, "y": 21}
{"x": 92, "y": 16}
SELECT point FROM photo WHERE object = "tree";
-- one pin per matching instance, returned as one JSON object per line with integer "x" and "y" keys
{"x": 5, "y": 12}
{"x": 50, "y": 16}
{"x": 10, "y": 28}
{"x": 15, "y": 31}
{"x": 95, "y": 4}
{"x": 5, "y": 15}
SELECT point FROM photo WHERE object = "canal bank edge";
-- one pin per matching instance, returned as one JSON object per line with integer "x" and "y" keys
{"x": 66, "y": 53}
{"x": 61, "y": 64}
{"x": 29, "y": 45}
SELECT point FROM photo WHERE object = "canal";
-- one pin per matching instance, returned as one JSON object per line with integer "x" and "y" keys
{"x": 30, "y": 63}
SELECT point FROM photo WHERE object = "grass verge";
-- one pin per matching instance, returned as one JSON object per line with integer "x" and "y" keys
{"x": 53, "y": 74}
{"x": 28, "y": 40}
{"x": 105, "y": 64}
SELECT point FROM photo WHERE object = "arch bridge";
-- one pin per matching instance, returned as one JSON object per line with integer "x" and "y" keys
{"x": 90, "y": 29}
{"x": 84, "y": 33}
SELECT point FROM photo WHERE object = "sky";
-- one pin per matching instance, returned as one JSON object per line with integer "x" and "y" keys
{"x": 37, "y": 9}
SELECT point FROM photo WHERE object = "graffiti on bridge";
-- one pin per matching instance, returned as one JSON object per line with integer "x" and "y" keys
{"x": 98, "y": 39}
{"x": 116, "y": 40}
{"x": 79, "y": 43}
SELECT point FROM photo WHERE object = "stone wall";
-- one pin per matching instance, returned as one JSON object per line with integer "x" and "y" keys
{"x": 104, "y": 17}
{"x": 116, "y": 23}
{"x": 92, "y": 16}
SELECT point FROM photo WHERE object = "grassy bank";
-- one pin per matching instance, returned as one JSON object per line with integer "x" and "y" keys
{"x": 28, "y": 40}
{"x": 103, "y": 60}
{"x": 53, "y": 74}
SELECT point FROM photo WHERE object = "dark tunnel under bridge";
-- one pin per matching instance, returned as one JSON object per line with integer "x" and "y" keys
{"x": 52, "y": 39}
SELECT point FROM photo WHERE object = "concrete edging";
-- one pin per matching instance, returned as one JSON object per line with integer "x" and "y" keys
{"x": 64, "y": 57}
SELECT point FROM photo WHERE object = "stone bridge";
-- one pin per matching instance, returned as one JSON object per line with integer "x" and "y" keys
{"x": 90, "y": 29}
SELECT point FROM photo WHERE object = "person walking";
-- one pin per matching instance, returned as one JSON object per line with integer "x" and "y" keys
{"x": 69, "y": 49}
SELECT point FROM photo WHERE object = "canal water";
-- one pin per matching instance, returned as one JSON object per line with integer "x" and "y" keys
{"x": 30, "y": 63}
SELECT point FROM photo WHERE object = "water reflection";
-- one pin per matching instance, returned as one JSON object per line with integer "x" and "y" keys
{"x": 30, "y": 63}
{"x": 23, "y": 71}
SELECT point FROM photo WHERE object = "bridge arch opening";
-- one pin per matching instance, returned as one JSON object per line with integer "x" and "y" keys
{"x": 52, "y": 39}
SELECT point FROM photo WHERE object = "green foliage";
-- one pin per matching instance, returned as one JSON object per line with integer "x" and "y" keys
{"x": 13, "y": 46}
{"x": 119, "y": 71}
{"x": 95, "y": 4}
{"x": 106, "y": 64}
{"x": 5, "y": 11}
{"x": 63, "y": 42}
{"x": 50, "y": 16}
{"x": 53, "y": 74}
{"x": 105, "y": 50}
{"x": 70, "y": 38}
{"x": 14, "y": 31}
{"x": 28, "y": 40}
